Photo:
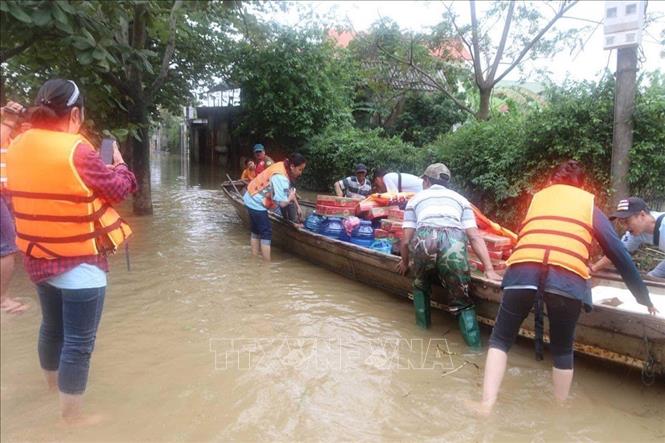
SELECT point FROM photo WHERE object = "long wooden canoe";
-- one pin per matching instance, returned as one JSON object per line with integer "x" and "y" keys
{"x": 628, "y": 337}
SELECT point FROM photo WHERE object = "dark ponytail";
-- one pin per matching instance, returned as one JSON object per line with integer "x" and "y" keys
{"x": 296, "y": 159}
{"x": 53, "y": 103}
{"x": 570, "y": 172}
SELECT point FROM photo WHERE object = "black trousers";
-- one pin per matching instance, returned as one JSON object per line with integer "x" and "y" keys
{"x": 562, "y": 312}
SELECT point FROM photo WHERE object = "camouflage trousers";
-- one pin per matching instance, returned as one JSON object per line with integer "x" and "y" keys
{"x": 441, "y": 253}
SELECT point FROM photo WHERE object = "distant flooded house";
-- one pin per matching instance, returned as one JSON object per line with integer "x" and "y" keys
{"x": 210, "y": 128}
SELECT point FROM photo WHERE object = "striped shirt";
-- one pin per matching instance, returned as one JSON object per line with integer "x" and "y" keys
{"x": 439, "y": 207}
{"x": 353, "y": 188}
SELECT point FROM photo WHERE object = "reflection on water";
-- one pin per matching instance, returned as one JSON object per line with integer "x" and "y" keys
{"x": 202, "y": 342}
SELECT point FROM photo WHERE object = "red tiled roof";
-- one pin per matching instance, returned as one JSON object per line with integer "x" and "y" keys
{"x": 452, "y": 50}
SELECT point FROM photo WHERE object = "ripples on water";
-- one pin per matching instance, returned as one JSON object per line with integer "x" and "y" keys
{"x": 193, "y": 284}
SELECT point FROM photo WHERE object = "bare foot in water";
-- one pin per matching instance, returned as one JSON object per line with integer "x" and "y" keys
{"x": 82, "y": 421}
{"x": 478, "y": 408}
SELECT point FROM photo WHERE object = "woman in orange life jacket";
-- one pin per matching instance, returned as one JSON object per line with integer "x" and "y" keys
{"x": 62, "y": 194}
{"x": 271, "y": 188}
{"x": 549, "y": 265}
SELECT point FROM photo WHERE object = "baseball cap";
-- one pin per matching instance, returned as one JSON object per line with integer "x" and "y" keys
{"x": 361, "y": 168}
{"x": 259, "y": 147}
{"x": 437, "y": 171}
{"x": 628, "y": 207}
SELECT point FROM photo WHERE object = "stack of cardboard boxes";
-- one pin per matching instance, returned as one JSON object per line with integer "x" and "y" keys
{"x": 332, "y": 206}
{"x": 391, "y": 227}
{"x": 499, "y": 249}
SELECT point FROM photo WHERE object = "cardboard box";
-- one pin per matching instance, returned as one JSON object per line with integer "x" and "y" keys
{"x": 380, "y": 211}
{"x": 391, "y": 225}
{"x": 381, "y": 233}
{"x": 332, "y": 200}
{"x": 396, "y": 214}
{"x": 496, "y": 242}
{"x": 334, "y": 211}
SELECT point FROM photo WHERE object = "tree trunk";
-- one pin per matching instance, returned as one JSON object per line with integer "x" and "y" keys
{"x": 484, "y": 108}
{"x": 141, "y": 159}
{"x": 397, "y": 110}
{"x": 624, "y": 105}
{"x": 138, "y": 115}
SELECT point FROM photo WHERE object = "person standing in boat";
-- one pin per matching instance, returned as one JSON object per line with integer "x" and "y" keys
{"x": 549, "y": 265}
{"x": 354, "y": 186}
{"x": 262, "y": 161}
{"x": 270, "y": 189}
{"x": 643, "y": 227}
{"x": 437, "y": 224}
{"x": 396, "y": 182}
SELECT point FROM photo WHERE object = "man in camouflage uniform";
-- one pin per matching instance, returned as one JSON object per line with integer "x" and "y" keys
{"x": 438, "y": 222}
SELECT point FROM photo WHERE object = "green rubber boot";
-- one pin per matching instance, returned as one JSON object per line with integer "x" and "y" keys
{"x": 468, "y": 325}
{"x": 421, "y": 303}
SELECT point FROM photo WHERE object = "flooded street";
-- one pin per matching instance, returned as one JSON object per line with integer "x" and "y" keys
{"x": 202, "y": 342}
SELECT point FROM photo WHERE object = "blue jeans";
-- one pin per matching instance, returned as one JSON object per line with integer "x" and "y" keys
{"x": 7, "y": 232}
{"x": 70, "y": 318}
{"x": 259, "y": 225}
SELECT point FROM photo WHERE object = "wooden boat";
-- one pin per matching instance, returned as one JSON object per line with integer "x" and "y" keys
{"x": 631, "y": 338}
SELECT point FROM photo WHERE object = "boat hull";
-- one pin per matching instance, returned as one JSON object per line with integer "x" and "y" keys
{"x": 631, "y": 339}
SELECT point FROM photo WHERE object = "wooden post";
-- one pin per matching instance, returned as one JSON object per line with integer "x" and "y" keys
{"x": 624, "y": 105}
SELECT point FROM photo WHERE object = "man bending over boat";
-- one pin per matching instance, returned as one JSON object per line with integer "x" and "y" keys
{"x": 644, "y": 227}
{"x": 269, "y": 189}
{"x": 437, "y": 224}
{"x": 394, "y": 182}
{"x": 549, "y": 265}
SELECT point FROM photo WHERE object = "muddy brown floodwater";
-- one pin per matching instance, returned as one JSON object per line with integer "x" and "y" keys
{"x": 201, "y": 342}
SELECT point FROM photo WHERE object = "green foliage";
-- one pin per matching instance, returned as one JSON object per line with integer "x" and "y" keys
{"x": 100, "y": 54}
{"x": 293, "y": 85}
{"x": 498, "y": 163}
{"x": 425, "y": 116}
{"x": 333, "y": 154}
{"x": 386, "y": 87}
{"x": 647, "y": 156}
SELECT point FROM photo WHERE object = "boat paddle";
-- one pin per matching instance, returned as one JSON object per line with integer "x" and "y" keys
{"x": 232, "y": 183}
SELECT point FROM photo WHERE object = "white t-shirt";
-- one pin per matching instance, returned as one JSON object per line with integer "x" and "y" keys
{"x": 439, "y": 207}
{"x": 410, "y": 183}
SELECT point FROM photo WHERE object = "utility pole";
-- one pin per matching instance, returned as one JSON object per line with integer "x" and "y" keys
{"x": 623, "y": 31}
{"x": 622, "y": 136}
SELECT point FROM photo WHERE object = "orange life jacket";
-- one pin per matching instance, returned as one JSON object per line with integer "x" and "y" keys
{"x": 261, "y": 183}
{"x": 57, "y": 214}
{"x": 557, "y": 230}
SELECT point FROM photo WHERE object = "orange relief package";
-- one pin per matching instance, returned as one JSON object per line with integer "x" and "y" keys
{"x": 332, "y": 200}
{"x": 496, "y": 242}
{"x": 381, "y": 233}
{"x": 396, "y": 214}
{"x": 381, "y": 211}
{"x": 334, "y": 211}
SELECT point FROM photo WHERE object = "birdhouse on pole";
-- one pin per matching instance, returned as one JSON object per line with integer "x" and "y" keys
{"x": 624, "y": 21}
